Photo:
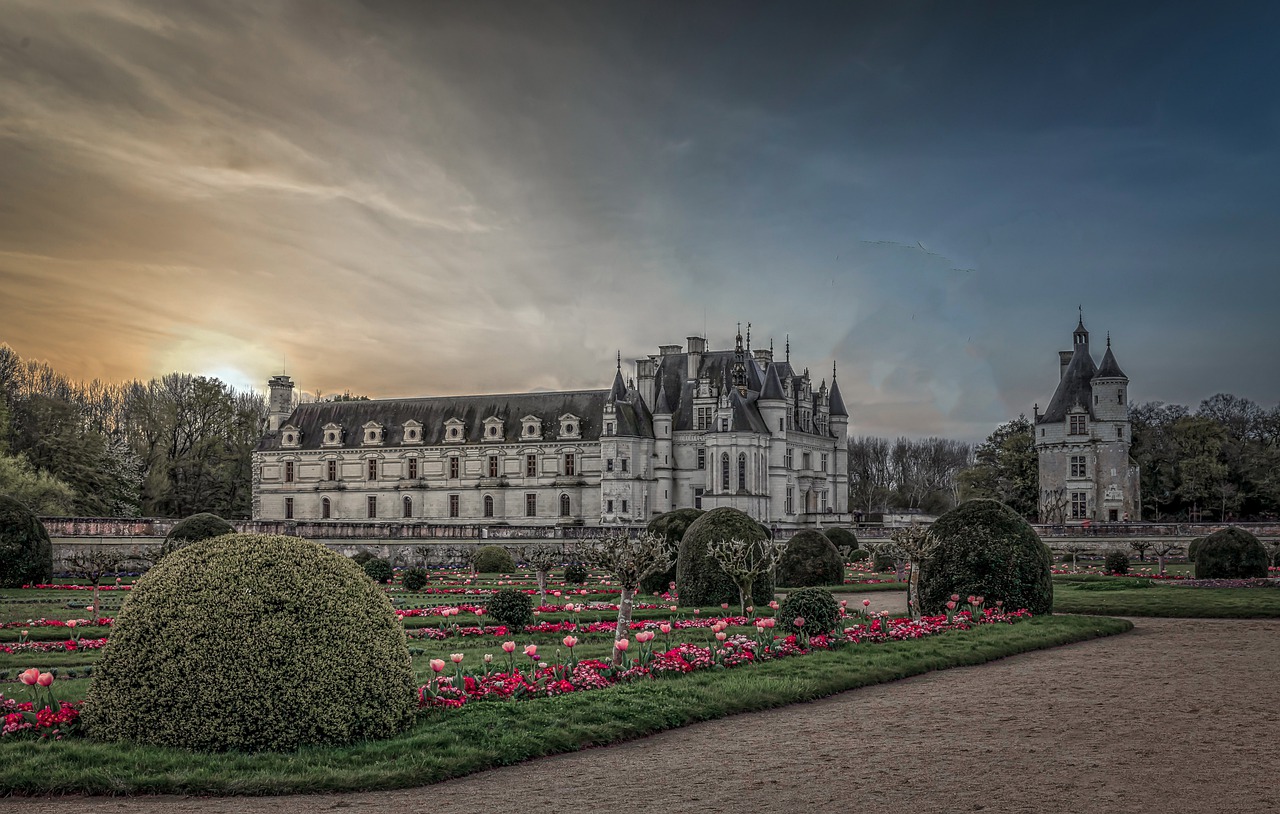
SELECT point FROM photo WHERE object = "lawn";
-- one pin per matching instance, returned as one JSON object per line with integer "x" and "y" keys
{"x": 1123, "y": 596}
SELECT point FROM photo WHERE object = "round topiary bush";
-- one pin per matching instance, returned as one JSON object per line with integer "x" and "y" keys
{"x": 193, "y": 529}
{"x": 1117, "y": 562}
{"x": 699, "y": 578}
{"x": 378, "y": 570}
{"x": 818, "y": 608}
{"x": 415, "y": 579}
{"x": 810, "y": 559}
{"x": 884, "y": 564}
{"x": 252, "y": 643}
{"x": 859, "y": 555}
{"x": 510, "y": 608}
{"x": 575, "y": 573}
{"x": 493, "y": 559}
{"x": 1231, "y": 553}
{"x": 986, "y": 548}
{"x": 845, "y": 541}
{"x": 1193, "y": 547}
{"x": 26, "y": 555}
{"x": 671, "y": 526}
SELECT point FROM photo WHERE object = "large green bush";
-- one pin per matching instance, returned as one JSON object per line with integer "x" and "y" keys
{"x": 810, "y": 559}
{"x": 493, "y": 559}
{"x": 575, "y": 573}
{"x": 988, "y": 549}
{"x": 26, "y": 555}
{"x": 1193, "y": 548}
{"x": 378, "y": 570}
{"x": 884, "y": 563}
{"x": 859, "y": 555}
{"x": 845, "y": 541}
{"x": 818, "y": 608}
{"x": 415, "y": 579}
{"x": 671, "y": 526}
{"x": 699, "y": 578}
{"x": 197, "y": 527}
{"x": 1231, "y": 553}
{"x": 252, "y": 643}
{"x": 510, "y": 608}
{"x": 1117, "y": 562}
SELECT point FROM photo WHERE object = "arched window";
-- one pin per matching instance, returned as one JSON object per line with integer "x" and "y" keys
{"x": 488, "y": 505}
{"x": 564, "y": 505}
{"x": 724, "y": 472}
{"x": 326, "y": 509}
{"x": 408, "y": 506}
{"x": 742, "y": 471}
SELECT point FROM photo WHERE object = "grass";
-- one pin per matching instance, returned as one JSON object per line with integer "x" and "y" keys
{"x": 446, "y": 744}
{"x": 1120, "y": 596}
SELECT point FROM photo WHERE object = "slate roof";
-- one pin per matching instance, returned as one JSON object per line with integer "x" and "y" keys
{"x": 1109, "y": 369}
{"x": 587, "y": 405}
{"x": 836, "y": 407}
{"x": 1074, "y": 388}
{"x": 772, "y": 384}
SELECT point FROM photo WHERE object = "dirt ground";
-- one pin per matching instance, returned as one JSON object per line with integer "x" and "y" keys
{"x": 1177, "y": 716}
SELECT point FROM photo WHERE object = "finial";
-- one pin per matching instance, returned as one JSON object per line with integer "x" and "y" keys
{"x": 788, "y": 347}
{"x": 833, "y": 371}
{"x": 771, "y": 347}
{"x": 748, "y": 336}
{"x": 1081, "y": 309}
{"x": 619, "y": 361}
{"x": 1108, "y": 339}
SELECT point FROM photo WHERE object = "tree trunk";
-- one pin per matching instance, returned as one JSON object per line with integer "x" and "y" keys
{"x": 1160, "y": 559}
{"x": 624, "y": 624}
{"x": 744, "y": 594}
{"x": 542, "y": 586}
{"x": 913, "y": 590}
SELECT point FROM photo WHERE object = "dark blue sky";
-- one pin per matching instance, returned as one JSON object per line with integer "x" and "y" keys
{"x": 425, "y": 198}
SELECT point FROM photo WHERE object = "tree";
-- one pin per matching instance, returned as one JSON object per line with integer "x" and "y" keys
{"x": 1156, "y": 454}
{"x": 917, "y": 545}
{"x": 869, "y": 474}
{"x": 745, "y": 561}
{"x": 1006, "y": 468}
{"x": 41, "y": 492}
{"x": 629, "y": 560}
{"x": 1162, "y": 549}
{"x": 93, "y": 563}
{"x": 542, "y": 558}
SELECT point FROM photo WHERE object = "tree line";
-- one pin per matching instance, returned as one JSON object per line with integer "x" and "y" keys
{"x": 906, "y": 473}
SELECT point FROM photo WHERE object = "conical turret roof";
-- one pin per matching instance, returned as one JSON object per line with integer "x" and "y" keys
{"x": 1110, "y": 369}
{"x": 837, "y": 403}
{"x": 772, "y": 384}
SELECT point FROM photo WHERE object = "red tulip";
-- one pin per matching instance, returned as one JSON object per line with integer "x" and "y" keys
{"x": 951, "y": 605}
{"x": 866, "y": 603}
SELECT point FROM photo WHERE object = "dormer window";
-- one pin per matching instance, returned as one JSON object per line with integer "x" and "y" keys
{"x": 290, "y": 436}
{"x": 570, "y": 426}
{"x": 531, "y": 427}
{"x": 412, "y": 432}
{"x": 454, "y": 431}
{"x": 1078, "y": 425}
{"x": 493, "y": 430}
{"x": 332, "y": 435}
{"x": 372, "y": 434}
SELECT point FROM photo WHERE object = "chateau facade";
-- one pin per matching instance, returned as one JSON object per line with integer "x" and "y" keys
{"x": 693, "y": 428}
{"x": 1083, "y": 440}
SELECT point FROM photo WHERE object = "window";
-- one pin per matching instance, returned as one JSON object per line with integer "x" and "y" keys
{"x": 531, "y": 505}
{"x": 531, "y": 466}
{"x": 372, "y": 506}
{"x": 805, "y": 460}
{"x": 1120, "y": 397}
{"x": 564, "y": 505}
{"x": 326, "y": 509}
{"x": 788, "y": 458}
{"x": 288, "y": 508}
{"x": 608, "y": 428}
{"x": 1095, "y": 399}
{"x": 333, "y": 470}
{"x": 408, "y": 506}
{"x": 413, "y": 470}
{"x": 568, "y": 463}
{"x": 704, "y": 418}
{"x": 822, "y": 502}
{"x": 824, "y": 462}
{"x": 624, "y": 507}
{"x": 697, "y": 497}
{"x": 488, "y": 505}
{"x": 742, "y": 472}
{"x": 1078, "y": 425}
{"x": 454, "y": 466}
{"x": 623, "y": 462}
{"x": 608, "y": 507}
{"x": 791, "y": 501}
{"x": 608, "y": 465}
{"x": 453, "y": 505}
{"x": 1079, "y": 505}
{"x": 1078, "y": 469}
{"x": 724, "y": 472}
{"x": 780, "y": 427}
{"x": 702, "y": 457}
{"x": 288, "y": 471}
{"x": 493, "y": 466}
{"x": 372, "y": 473}
{"x": 724, "y": 425}
{"x": 1119, "y": 433}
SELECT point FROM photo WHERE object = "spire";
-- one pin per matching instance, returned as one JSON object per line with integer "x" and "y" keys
{"x": 739, "y": 366}
{"x": 1110, "y": 368}
{"x": 788, "y": 347}
{"x": 1081, "y": 335}
{"x": 772, "y": 384}
{"x": 619, "y": 390}
{"x": 662, "y": 406}
{"x": 836, "y": 407}
{"x": 749, "y": 337}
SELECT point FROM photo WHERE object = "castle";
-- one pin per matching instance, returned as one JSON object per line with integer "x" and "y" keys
{"x": 1083, "y": 441}
{"x": 694, "y": 428}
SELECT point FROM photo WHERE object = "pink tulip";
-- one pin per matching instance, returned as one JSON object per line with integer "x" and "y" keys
{"x": 88, "y": 608}
{"x": 773, "y": 605}
{"x": 72, "y": 623}
{"x": 570, "y": 642}
{"x": 456, "y": 658}
{"x": 664, "y": 627}
{"x": 531, "y": 650}
{"x": 951, "y": 605}
{"x": 972, "y": 599}
{"x": 980, "y": 599}
{"x": 866, "y": 603}
{"x": 844, "y": 603}
{"x": 508, "y": 647}
{"x": 45, "y": 679}
{"x": 29, "y": 677}
{"x": 798, "y": 621}
{"x": 751, "y": 608}
{"x": 673, "y": 608}
{"x": 437, "y": 665}
{"x": 721, "y": 636}
{"x": 955, "y": 597}
{"x": 696, "y": 612}
{"x": 622, "y": 644}
{"x": 724, "y": 606}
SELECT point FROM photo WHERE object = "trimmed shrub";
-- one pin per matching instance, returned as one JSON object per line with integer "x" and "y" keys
{"x": 1117, "y": 562}
{"x": 193, "y": 529}
{"x": 378, "y": 570}
{"x": 699, "y": 578}
{"x": 26, "y": 555}
{"x": 988, "y": 549}
{"x": 859, "y": 555}
{"x": 510, "y": 608}
{"x": 216, "y": 648}
{"x": 1193, "y": 547}
{"x": 576, "y": 573}
{"x": 1231, "y": 553}
{"x": 363, "y": 556}
{"x": 818, "y": 608}
{"x": 493, "y": 559}
{"x": 810, "y": 559}
{"x": 884, "y": 564}
{"x": 672, "y": 526}
{"x": 415, "y": 579}
{"x": 845, "y": 541}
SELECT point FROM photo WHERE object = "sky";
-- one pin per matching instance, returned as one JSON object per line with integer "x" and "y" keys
{"x": 432, "y": 198}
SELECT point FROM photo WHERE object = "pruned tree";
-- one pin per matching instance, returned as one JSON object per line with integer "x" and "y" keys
{"x": 541, "y": 558}
{"x": 1141, "y": 547}
{"x": 1164, "y": 549}
{"x": 1075, "y": 550}
{"x": 746, "y": 561}
{"x": 93, "y": 564}
{"x": 628, "y": 560}
{"x": 916, "y": 543}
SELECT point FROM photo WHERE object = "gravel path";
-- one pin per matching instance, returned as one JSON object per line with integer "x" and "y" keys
{"x": 1179, "y": 715}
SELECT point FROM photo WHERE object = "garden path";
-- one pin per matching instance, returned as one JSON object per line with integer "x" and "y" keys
{"x": 1179, "y": 715}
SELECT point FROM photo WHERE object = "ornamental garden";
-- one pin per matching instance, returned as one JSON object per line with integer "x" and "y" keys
{"x": 264, "y": 664}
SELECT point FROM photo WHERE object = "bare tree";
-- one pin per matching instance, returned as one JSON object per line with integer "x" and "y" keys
{"x": 93, "y": 564}
{"x": 1164, "y": 549}
{"x": 1054, "y": 502}
{"x": 542, "y": 558}
{"x": 917, "y": 543}
{"x": 1141, "y": 547}
{"x": 1075, "y": 550}
{"x": 629, "y": 560}
{"x": 746, "y": 561}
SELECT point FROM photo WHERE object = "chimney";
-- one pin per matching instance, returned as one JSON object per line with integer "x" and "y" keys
{"x": 645, "y": 371}
{"x": 763, "y": 355}
{"x": 697, "y": 347}
{"x": 1064, "y": 359}
{"x": 279, "y": 401}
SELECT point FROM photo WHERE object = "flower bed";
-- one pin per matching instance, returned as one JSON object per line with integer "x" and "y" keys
{"x": 68, "y": 646}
